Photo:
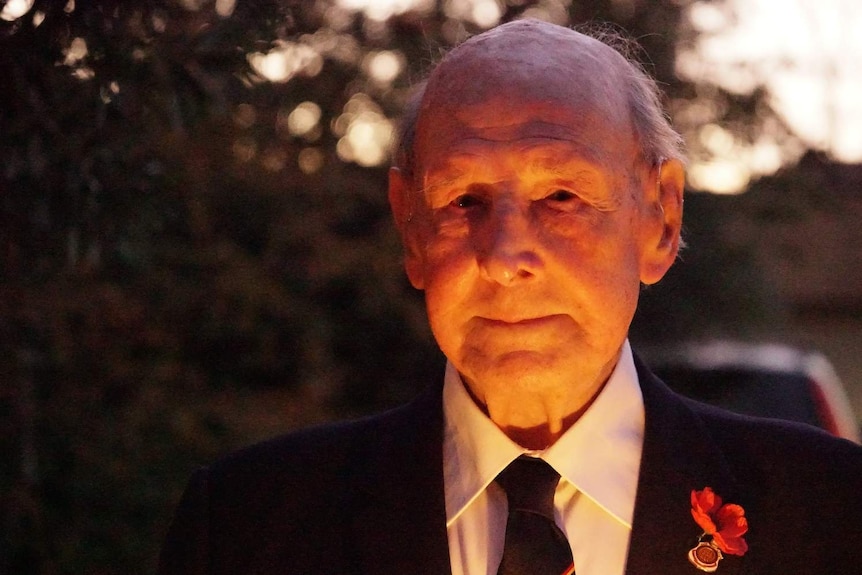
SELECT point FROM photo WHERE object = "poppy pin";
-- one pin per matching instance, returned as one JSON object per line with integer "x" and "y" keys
{"x": 723, "y": 524}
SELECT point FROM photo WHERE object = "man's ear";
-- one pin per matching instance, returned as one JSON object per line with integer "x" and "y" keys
{"x": 402, "y": 205}
{"x": 663, "y": 192}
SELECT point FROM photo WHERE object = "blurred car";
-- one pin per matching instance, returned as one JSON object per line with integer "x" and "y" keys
{"x": 767, "y": 380}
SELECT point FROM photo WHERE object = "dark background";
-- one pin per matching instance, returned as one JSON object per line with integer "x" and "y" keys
{"x": 180, "y": 274}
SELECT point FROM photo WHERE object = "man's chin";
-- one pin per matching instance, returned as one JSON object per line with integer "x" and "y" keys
{"x": 528, "y": 370}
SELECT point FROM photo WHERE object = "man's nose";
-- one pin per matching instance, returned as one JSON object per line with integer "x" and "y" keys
{"x": 509, "y": 246}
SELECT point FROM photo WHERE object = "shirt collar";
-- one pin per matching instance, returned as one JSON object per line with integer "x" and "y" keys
{"x": 600, "y": 454}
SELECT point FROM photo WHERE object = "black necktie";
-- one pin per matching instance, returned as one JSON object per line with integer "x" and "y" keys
{"x": 534, "y": 543}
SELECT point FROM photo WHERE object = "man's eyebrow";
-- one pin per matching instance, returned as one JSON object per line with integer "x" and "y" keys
{"x": 558, "y": 158}
{"x": 432, "y": 183}
{"x": 447, "y": 172}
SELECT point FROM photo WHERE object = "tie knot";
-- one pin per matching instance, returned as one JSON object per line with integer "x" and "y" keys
{"x": 530, "y": 483}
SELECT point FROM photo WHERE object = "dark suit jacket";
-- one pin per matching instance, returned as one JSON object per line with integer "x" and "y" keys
{"x": 367, "y": 497}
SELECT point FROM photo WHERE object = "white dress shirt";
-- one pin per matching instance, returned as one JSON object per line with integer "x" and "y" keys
{"x": 597, "y": 458}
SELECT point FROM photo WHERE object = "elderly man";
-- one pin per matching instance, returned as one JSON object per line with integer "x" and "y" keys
{"x": 538, "y": 186}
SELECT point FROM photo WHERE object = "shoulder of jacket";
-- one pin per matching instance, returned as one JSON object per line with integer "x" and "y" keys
{"x": 335, "y": 445}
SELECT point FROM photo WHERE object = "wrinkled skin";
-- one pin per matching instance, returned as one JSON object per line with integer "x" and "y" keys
{"x": 530, "y": 223}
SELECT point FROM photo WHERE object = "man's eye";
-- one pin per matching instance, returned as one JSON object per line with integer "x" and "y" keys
{"x": 467, "y": 201}
{"x": 561, "y": 196}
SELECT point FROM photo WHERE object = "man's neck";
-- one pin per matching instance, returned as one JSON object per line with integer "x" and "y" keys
{"x": 542, "y": 436}
{"x": 536, "y": 420}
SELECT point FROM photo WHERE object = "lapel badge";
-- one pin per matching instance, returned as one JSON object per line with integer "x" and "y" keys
{"x": 705, "y": 556}
{"x": 723, "y": 524}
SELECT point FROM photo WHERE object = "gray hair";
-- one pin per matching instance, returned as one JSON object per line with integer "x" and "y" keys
{"x": 657, "y": 139}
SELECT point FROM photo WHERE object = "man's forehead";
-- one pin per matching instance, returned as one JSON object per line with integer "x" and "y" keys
{"x": 526, "y": 79}
{"x": 541, "y": 152}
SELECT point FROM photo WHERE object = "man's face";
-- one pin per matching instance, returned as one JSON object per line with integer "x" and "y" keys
{"x": 529, "y": 232}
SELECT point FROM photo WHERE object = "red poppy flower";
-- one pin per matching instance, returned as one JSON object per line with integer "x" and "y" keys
{"x": 726, "y": 523}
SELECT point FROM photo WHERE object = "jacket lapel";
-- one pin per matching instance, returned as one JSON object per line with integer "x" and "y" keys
{"x": 678, "y": 457}
{"x": 399, "y": 524}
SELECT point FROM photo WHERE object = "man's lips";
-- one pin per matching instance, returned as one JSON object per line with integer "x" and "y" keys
{"x": 515, "y": 322}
